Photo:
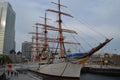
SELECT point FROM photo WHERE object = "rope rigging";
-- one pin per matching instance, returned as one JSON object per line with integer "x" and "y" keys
{"x": 85, "y": 23}
{"x": 78, "y": 38}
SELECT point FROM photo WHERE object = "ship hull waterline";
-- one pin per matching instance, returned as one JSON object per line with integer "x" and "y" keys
{"x": 64, "y": 71}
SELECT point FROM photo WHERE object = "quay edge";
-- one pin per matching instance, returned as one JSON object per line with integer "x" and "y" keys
{"x": 101, "y": 71}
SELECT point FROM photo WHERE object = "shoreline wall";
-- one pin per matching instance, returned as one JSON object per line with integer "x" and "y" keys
{"x": 102, "y": 71}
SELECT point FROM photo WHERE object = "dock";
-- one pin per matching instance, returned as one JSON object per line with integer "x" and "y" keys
{"x": 101, "y": 69}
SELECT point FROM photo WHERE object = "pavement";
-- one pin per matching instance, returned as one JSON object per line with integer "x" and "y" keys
{"x": 1, "y": 71}
{"x": 21, "y": 76}
{"x": 25, "y": 76}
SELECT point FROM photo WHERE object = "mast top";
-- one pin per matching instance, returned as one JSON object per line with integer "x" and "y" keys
{"x": 59, "y": 9}
{"x": 59, "y": 4}
{"x": 59, "y": 12}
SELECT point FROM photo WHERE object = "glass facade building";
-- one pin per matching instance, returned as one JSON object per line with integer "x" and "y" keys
{"x": 7, "y": 28}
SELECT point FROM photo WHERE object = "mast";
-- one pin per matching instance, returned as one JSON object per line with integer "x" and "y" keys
{"x": 45, "y": 31}
{"x": 36, "y": 37}
{"x": 37, "y": 56}
{"x": 61, "y": 38}
{"x": 45, "y": 46}
{"x": 60, "y": 30}
{"x": 32, "y": 58}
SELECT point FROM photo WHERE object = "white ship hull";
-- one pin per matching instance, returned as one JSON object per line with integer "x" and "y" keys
{"x": 64, "y": 70}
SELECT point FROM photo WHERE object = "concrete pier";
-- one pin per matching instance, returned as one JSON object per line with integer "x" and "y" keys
{"x": 103, "y": 70}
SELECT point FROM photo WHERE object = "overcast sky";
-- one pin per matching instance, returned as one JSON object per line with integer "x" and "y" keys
{"x": 101, "y": 15}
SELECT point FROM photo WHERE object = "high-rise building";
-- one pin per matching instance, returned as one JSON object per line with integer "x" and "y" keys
{"x": 27, "y": 49}
{"x": 7, "y": 28}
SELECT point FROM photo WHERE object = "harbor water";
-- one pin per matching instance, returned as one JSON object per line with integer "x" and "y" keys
{"x": 89, "y": 76}
{"x": 84, "y": 76}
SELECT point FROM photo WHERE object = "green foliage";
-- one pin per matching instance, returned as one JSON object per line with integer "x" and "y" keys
{"x": 4, "y": 59}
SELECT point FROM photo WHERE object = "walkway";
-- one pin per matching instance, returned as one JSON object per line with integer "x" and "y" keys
{"x": 25, "y": 76}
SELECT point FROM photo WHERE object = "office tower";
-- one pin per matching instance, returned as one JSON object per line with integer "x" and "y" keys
{"x": 7, "y": 28}
{"x": 27, "y": 49}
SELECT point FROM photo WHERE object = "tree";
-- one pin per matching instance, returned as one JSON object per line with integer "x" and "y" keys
{"x": 12, "y": 51}
{"x": 19, "y": 53}
{"x": 4, "y": 59}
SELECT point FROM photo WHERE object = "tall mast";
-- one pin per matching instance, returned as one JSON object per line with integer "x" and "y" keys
{"x": 61, "y": 38}
{"x": 36, "y": 37}
{"x": 37, "y": 41}
{"x": 45, "y": 46}
{"x": 32, "y": 58}
{"x": 60, "y": 30}
{"x": 45, "y": 31}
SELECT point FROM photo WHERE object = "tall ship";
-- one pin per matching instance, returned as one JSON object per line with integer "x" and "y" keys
{"x": 54, "y": 54}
